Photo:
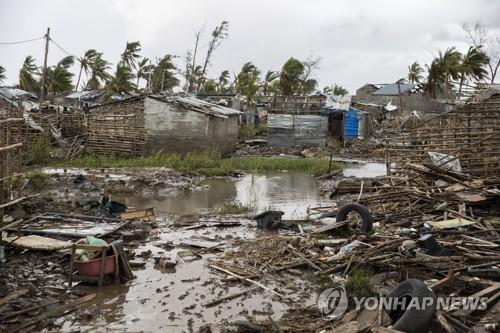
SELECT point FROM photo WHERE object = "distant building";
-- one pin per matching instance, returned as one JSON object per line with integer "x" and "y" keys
{"x": 366, "y": 91}
{"x": 344, "y": 121}
{"x": 83, "y": 99}
{"x": 145, "y": 124}
{"x": 296, "y": 121}
{"x": 410, "y": 95}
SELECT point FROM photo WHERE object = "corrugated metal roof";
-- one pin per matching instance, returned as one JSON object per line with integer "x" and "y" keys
{"x": 189, "y": 103}
{"x": 14, "y": 93}
{"x": 84, "y": 94}
{"x": 198, "y": 105}
{"x": 392, "y": 89}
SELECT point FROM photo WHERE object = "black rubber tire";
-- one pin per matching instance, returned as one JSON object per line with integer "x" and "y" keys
{"x": 363, "y": 211}
{"x": 413, "y": 320}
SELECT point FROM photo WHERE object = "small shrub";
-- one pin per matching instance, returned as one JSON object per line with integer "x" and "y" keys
{"x": 357, "y": 284}
{"x": 40, "y": 150}
{"x": 38, "y": 180}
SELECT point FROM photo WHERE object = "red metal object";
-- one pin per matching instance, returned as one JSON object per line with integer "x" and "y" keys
{"x": 91, "y": 268}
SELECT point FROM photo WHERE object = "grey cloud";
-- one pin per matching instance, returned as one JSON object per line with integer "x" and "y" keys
{"x": 359, "y": 41}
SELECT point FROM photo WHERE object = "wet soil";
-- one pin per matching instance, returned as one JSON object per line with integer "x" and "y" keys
{"x": 171, "y": 299}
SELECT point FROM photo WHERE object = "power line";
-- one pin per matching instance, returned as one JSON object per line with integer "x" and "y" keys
{"x": 62, "y": 49}
{"x": 22, "y": 41}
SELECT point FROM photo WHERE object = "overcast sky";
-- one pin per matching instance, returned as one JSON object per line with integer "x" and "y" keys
{"x": 359, "y": 41}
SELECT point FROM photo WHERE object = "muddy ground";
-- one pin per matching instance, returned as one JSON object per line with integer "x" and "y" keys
{"x": 166, "y": 297}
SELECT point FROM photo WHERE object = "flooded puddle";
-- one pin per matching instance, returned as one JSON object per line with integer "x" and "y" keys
{"x": 365, "y": 170}
{"x": 291, "y": 192}
{"x": 173, "y": 299}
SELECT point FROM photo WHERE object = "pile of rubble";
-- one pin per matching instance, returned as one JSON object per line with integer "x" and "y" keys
{"x": 429, "y": 231}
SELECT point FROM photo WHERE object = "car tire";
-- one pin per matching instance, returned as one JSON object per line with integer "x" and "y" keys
{"x": 363, "y": 211}
{"x": 413, "y": 320}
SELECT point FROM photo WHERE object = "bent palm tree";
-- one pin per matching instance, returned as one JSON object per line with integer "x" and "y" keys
{"x": 121, "y": 83}
{"x": 85, "y": 63}
{"x": 98, "y": 72}
{"x": 163, "y": 77}
{"x": 338, "y": 90}
{"x": 248, "y": 78}
{"x": 473, "y": 66}
{"x": 27, "y": 75}
{"x": 290, "y": 76}
{"x": 268, "y": 80}
{"x": 223, "y": 81}
{"x": 130, "y": 55}
{"x": 435, "y": 79}
{"x": 144, "y": 69}
{"x": 59, "y": 79}
{"x": 449, "y": 63}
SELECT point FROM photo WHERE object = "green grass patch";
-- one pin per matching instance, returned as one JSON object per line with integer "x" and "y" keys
{"x": 210, "y": 164}
{"x": 234, "y": 207}
{"x": 40, "y": 150}
{"x": 38, "y": 180}
{"x": 357, "y": 284}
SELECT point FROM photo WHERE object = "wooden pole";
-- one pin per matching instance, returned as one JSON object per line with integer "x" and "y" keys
{"x": 42, "y": 85}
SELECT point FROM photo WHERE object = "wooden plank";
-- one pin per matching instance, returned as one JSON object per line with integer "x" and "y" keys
{"x": 13, "y": 295}
{"x": 55, "y": 312}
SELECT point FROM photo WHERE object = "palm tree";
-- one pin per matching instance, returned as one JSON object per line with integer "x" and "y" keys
{"x": 248, "y": 78}
{"x": 144, "y": 70}
{"x": 195, "y": 77}
{"x": 130, "y": 55}
{"x": 308, "y": 86}
{"x": 328, "y": 90}
{"x": 252, "y": 87}
{"x": 85, "y": 63}
{"x": 2, "y": 74}
{"x": 121, "y": 83}
{"x": 163, "y": 78}
{"x": 27, "y": 75}
{"x": 98, "y": 73}
{"x": 223, "y": 81}
{"x": 209, "y": 87}
{"x": 415, "y": 73}
{"x": 435, "y": 79}
{"x": 338, "y": 90}
{"x": 449, "y": 63}
{"x": 290, "y": 76}
{"x": 58, "y": 79}
{"x": 268, "y": 80}
{"x": 473, "y": 66}
{"x": 218, "y": 34}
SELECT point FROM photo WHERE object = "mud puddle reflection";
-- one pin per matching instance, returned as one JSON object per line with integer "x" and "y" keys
{"x": 291, "y": 192}
{"x": 173, "y": 299}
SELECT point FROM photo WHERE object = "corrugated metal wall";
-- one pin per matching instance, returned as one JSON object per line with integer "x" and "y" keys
{"x": 178, "y": 130}
{"x": 285, "y": 130}
{"x": 351, "y": 124}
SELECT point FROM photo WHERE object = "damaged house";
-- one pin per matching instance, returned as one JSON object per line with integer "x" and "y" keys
{"x": 410, "y": 96}
{"x": 461, "y": 140}
{"x": 297, "y": 120}
{"x": 174, "y": 124}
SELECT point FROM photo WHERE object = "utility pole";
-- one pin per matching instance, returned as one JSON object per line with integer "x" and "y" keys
{"x": 44, "y": 69}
